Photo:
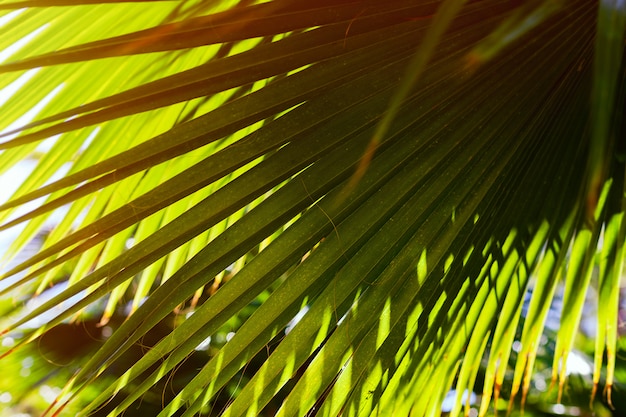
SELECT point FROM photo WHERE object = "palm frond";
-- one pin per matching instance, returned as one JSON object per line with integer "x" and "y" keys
{"x": 398, "y": 175}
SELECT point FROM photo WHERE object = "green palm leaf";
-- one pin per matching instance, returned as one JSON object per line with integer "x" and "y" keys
{"x": 398, "y": 174}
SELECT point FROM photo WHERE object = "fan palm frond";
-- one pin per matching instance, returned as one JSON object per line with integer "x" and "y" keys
{"x": 328, "y": 207}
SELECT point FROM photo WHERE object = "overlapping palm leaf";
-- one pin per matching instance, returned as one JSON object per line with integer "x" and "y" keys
{"x": 403, "y": 171}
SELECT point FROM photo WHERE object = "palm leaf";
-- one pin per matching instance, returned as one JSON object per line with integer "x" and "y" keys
{"x": 400, "y": 173}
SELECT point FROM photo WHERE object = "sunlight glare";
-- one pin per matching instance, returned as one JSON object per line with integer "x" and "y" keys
{"x": 30, "y": 115}
{"x": 576, "y": 364}
{"x": 5, "y": 54}
{"x": 8, "y": 341}
{"x": 10, "y": 16}
{"x": 49, "y": 393}
{"x": 7, "y": 92}
{"x": 5, "y": 397}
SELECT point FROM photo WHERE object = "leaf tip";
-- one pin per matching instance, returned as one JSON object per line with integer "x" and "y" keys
{"x": 608, "y": 389}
